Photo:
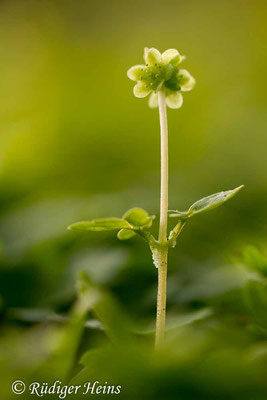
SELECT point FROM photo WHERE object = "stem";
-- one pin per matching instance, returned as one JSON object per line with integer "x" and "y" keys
{"x": 163, "y": 249}
{"x": 161, "y": 298}
{"x": 164, "y": 169}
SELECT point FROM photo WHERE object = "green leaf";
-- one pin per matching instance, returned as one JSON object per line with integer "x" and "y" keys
{"x": 62, "y": 342}
{"x": 101, "y": 224}
{"x": 107, "y": 310}
{"x": 206, "y": 204}
{"x": 213, "y": 201}
{"x": 178, "y": 214}
{"x": 175, "y": 232}
{"x": 125, "y": 234}
{"x": 256, "y": 260}
{"x": 138, "y": 217}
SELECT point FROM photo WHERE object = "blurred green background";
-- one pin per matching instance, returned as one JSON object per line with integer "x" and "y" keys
{"x": 76, "y": 144}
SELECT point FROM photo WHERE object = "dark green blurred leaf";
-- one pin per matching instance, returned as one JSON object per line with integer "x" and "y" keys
{"x": 64, "y": 341}
{"x": 256, "y": 260}
{"x": 45, "y": 315}
{"x": 115, "y": 322}
{"x": 255, "y": 299}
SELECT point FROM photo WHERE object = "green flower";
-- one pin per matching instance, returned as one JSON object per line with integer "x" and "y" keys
{"x": 161, "y": 72}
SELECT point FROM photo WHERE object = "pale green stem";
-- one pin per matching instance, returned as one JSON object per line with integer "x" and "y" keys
{"x": 163, "y": 249}
{"x": 164, "y": 169}
{"x": 161, "y": 297}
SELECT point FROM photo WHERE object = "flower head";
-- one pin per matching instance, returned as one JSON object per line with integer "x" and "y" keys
{"x": 161, "y": 72}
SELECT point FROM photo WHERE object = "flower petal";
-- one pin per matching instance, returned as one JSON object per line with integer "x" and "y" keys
{"x": 146, "y": 49}
{"x": 171, "y": 56}
{"x": 187, "y": 82}
{"x": 153, "y": 100}
{"x": 174, "y": 100}
{"x": 152, "y": 56}
{"x": 135, "y": 73}
{"x": 141, "y": 90}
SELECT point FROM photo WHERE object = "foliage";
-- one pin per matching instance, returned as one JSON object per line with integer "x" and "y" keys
{"x": 137, "y": 221}
{"x": 218, "y": 349}
{"x": 74, "y": 149}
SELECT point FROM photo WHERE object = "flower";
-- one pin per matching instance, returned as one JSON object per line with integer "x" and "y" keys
{"x": 161, "y": 72}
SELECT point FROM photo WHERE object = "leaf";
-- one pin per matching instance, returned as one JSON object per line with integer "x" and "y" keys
{"x": 256, "y": 260}
{"x": 206, "y": 204}
{"x": 138, "y": 217}
{"x": 213, "y": 201}
{"x": 125, "y": 234}
{"x": 108, "y": 311}
{"x": 101, "y": 224}
{"x": 62, "y": 342}
{"x": 175, "y": 232}
{"x": 178, "y": 214}
{"x": 46, "y": 315}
